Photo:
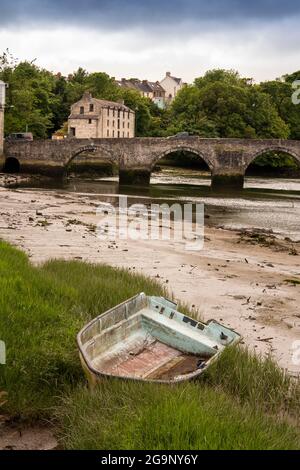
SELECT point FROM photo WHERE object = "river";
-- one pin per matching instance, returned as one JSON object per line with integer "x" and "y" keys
{"x": 265, "y": 203}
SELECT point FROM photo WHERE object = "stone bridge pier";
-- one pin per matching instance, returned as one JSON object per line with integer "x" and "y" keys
{"x": 136, "y": 158}
{"x": 227, "y": 159}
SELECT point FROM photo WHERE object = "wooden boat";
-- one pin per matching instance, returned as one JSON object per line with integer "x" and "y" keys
{"x": 146, "y": 338}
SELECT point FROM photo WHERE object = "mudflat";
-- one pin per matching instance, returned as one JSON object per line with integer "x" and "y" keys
{"x": 247, "y": 283}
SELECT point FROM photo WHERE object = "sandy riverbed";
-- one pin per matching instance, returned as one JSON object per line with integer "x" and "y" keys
{"x": 240, "y": 284}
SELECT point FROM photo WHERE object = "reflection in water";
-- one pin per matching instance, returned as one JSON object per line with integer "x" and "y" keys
{"x": 271, "y": 204}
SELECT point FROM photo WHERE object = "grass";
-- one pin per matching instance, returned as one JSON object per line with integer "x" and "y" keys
{"x": 124, "y": 415}
{"x": 241, "y": 402}
{"x": 261, "y": 383}
{"x": 42, "y": 309}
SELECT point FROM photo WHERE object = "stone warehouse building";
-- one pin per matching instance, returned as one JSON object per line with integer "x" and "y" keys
{"x": 92, "y": 118}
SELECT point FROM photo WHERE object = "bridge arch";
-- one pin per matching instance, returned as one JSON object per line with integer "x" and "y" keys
{"x": 276, "y": 149}
{"x": 181, "y": 148}
{"x": 12, "y": 165}
{"x": 107, "y": 156}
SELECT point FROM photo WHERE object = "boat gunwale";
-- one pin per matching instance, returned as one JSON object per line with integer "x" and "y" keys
{"x": 185, "y": 378}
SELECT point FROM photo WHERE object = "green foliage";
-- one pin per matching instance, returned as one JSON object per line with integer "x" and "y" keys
{"x": 276, "y": 160}
{"x": 31, "y": 94}
{"x": 219, "y": 104}
{"x": 280, "y": 91}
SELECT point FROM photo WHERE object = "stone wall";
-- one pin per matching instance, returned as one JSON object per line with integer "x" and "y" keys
{"x": 227, "y": 159}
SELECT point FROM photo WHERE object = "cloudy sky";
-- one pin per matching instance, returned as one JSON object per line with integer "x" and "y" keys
{"x": 136, "y": 38}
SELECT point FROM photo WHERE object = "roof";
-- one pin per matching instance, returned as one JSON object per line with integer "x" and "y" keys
{"x": 103, "y": 103}
{"x": 177, "y": 80}
{"x": 111, "y": 104}
{"x": 141, "y": 85}
{"x": 156, "y": 86}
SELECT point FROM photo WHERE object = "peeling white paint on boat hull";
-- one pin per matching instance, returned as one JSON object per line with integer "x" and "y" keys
{"x": 147, "y": 339}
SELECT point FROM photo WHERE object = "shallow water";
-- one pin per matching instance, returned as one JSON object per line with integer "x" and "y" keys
{"x": 265, "y": 203}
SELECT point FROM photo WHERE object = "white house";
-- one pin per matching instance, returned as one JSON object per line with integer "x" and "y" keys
{"x": 171, "y": 85}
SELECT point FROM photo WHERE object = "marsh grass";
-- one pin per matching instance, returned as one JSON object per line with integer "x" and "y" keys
{"x": 257, "y": 381}
{"x": 193, "y": 416}
{"x": 42, "y": 309}
{"x": 241, "y": 402}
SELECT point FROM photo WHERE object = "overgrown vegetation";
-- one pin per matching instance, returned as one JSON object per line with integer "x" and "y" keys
{"x": 120, "y": 415}
{"x": 241, "y": 402}
{"x": 219, "y": 104}
{"x": 42, "y": 310}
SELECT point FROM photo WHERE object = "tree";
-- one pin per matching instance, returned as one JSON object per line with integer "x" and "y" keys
{"x": 29, "y": 99}
{"x": 222, "y": 104}
{"x": 219, "y": 104}
{"x": 280, "y": 92}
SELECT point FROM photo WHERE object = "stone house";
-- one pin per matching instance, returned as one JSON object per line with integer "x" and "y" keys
{"x": 94, "y": 118}
{"x": 171, "y": 85}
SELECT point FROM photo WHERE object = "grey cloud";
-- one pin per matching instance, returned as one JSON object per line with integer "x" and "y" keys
{"x": 122, "y": 14}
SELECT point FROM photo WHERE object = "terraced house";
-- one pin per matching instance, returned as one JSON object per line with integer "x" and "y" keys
{"x": 152, "y": 90}
{"x": 92, "y": 118}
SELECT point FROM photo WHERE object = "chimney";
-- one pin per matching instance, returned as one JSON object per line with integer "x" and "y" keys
{"x": 168, "y": 74}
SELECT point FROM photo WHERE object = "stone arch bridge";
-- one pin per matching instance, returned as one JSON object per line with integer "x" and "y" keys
{"x": 227, "y": 159}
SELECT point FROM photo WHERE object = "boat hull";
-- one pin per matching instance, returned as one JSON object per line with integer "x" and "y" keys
{"x": 147, "y": 339}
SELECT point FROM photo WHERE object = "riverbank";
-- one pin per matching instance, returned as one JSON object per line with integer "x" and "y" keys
{"x": 244, "y": 282}
{"x": 45, "y": 402}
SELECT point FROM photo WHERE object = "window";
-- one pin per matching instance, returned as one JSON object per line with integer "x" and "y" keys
{"x": 113, "y": 123}
{"x": 128, "y": 114}
{"x": 118, "y": 134}
{"x": 113, "y": 133}
{"x": 127, "y": 134}
{"x": 114, "y": 113}
{"x": 119, "y": 113}
{"x": 118, "y": 123}
{"x": 81, "y": 110}
{"x": 90, "y": 121}
{"x": 123, "y": 134}
{"x": 123, "y": 114}
{"x": 107, "y": 122}
{"x": 91, "y": 108}
{"x": 107, "y": 132}
{"x": 73, "y": 131}
{"x": 128, "y": 125}
{"x": 123, "y": 124}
